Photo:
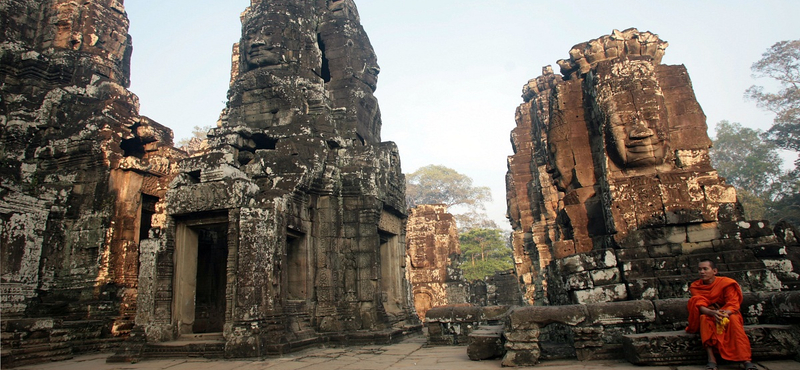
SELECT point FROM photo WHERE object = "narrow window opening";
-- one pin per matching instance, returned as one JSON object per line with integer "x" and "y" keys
{"x": 326, "y": 72}
{"x": 148, "y": 210}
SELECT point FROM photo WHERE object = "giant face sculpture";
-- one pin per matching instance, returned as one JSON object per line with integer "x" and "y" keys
{"x": 261, "y": 47}
{"x": 635, "y": 113}
{"x": 636, "y": 141}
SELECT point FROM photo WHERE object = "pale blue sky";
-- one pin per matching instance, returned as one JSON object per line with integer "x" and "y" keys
{"x": 452, "y": 71}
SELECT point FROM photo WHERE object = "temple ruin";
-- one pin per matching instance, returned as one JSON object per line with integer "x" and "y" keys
{"x": 287, "y": 229}
{"x": 612, "y": 195}
{"x": 296, "y": 206}
{"x": 84, "y": 177}
{"x": 433, "y": 259}
{"x": 614, "y": 201}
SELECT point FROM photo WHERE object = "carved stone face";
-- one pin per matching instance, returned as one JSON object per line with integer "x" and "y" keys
{"x": 636, "y": 141}
{"x": 636, "y": 116}
{"x": 261, "y": 48}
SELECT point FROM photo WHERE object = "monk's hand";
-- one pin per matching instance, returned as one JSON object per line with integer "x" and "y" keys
{"x": 719, "y": 315}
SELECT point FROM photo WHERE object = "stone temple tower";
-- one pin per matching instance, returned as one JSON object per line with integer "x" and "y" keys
{"x": 289, "y": 229}
{"x": 611, "y": 191}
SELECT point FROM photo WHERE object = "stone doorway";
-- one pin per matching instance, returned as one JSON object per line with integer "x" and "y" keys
{"x": 297, "y": 271}
{"x": 391, "y": 272}
{"x": 201, "y": 269}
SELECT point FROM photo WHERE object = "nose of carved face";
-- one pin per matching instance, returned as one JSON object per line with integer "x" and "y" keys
{"x": 260, "y": 52}
{"x": 640, "y": 131}
{"x": 637, "y": 144}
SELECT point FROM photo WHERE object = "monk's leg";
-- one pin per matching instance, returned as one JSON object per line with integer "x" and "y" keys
{"x": 712, "y": 361}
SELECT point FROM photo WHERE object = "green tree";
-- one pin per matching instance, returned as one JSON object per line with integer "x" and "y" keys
{"x": 781, "y": 62}
{"x": 752, "y": 164}
{"x": 473, "y": 219}
{"x": 745, "y": 159}
{"x": 484, "y": 252}
{"x": 434, "y": 184}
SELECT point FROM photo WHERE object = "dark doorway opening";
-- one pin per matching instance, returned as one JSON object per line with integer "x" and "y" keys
{"x": 212, "y": 263}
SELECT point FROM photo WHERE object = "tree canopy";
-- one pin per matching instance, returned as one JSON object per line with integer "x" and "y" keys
{"x": 197, "y": 133}
{"x": 781, "y": 62}
{"x": 752, "y": 164}
{"x": 746, "y": 160}
{"x": 484, "y": 252}
{"x": 434, "y": 184}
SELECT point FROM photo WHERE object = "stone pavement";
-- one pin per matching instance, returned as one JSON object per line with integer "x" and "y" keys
{"x": 409, "y": 354}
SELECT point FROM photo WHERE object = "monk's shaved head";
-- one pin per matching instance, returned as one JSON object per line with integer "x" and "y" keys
{"x": 710, "y": 263}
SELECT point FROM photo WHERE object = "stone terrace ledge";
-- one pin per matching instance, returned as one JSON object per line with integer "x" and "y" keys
{"x": 646, "y": 332}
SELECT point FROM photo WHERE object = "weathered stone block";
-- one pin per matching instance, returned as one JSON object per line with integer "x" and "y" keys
{"x": 607, "y": 293}
{"x": 699, "y": 247}
{"x": 580, "y": 280}
{"x": 638, "y": 269}
{"x": 532, "y": 317}
{"x": 486, "y": 343}
{"x": 678, "y": 347}
{"x": 704, "y": 232}
{"x": 645, "y": 288}
{"x": 605, "y": 276}
{"x": 523, "y": 335}
{"x": 615, "y": 313}
{"x": 515, "y": 358}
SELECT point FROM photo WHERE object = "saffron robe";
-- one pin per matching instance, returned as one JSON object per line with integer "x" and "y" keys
{"x": 726, "y": 294}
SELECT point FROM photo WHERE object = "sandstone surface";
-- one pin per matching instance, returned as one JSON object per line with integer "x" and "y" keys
{"x": 611, "y": 192}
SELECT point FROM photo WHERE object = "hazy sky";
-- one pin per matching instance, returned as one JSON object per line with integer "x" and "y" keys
{"x": 452, "y": 71}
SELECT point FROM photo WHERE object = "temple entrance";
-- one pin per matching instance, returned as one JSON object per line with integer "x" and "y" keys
{"x": 201, "y": 267}
{"x": 297, "y": 271}
{"x": 391, "y": 272}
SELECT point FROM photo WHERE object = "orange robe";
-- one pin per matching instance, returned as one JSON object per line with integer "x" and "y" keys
{"x": 724, "y": 292}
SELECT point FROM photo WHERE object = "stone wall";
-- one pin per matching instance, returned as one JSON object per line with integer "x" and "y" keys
{"x": 611, "y": 192}
{"x": 433, "y": 258}
{"x": 296, "y": 205}
{"x": 83, "y": 174}
{"x": 642, "y": 329}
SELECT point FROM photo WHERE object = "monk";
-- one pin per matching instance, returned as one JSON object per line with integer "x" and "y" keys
{"x": 714, "y": 311}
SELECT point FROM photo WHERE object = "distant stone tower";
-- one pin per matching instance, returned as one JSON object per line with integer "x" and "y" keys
{"x": 611, "y": 192}
{"x": 290, "y": 228}
{"x": 434, "y": 258}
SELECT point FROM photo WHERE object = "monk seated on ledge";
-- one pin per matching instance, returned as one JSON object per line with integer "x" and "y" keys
{"x": 714, "y": 311}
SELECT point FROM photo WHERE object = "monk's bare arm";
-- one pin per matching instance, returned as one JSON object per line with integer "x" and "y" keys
{"x": 716, "y": 314}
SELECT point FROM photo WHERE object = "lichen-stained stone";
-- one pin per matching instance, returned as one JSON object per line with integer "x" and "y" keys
{"x": 83, "y": 174}
{"x": 612, "y": 155}
{"x": 433, "y": 256}
{"x": 290, "y": 223}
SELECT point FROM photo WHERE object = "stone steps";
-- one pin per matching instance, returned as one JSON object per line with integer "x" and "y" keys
{"x": 679, "y": 347}
{"x": 31, "y": 341}
{"x": 184, "y": 349}
{"x": 34, "y": 354}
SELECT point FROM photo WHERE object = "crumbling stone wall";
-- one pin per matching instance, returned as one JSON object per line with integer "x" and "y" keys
{"x": 433, "y": 258}
{"x": 82, "y": 173}
{"x": 611, "y": 192}
{"x": 295, "y": 190}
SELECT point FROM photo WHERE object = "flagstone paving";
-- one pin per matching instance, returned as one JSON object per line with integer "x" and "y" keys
{"x": 412, "y": 353}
